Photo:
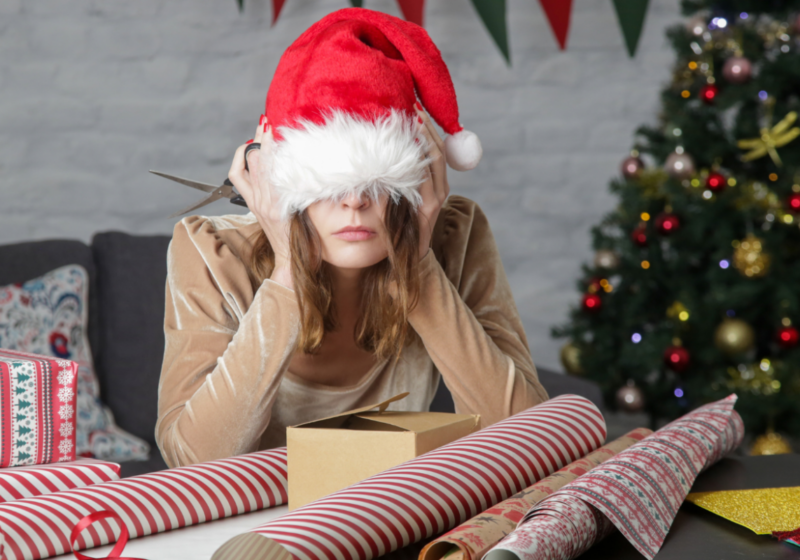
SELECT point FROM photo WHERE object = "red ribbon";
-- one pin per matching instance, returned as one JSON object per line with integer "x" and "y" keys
{"x": 97, "y": 516}
{"x": 786, "y": 535}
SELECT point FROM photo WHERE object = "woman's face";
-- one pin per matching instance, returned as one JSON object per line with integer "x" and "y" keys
{"x": 349, "y": 230}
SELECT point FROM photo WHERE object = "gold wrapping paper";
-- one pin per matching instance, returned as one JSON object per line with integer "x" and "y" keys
{"x": 762, "y": 511}
{"x": 473, "y": 539}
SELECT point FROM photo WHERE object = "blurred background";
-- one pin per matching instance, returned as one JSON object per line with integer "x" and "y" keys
{"x": 95, "y": 93}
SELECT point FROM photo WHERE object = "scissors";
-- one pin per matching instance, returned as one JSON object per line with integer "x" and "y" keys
{"x": 226, "y": 190}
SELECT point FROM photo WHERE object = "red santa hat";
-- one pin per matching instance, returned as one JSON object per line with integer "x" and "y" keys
{"x": 341, "y": 108}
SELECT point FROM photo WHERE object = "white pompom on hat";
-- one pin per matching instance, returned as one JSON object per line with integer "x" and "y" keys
{"x": 341, "y": 108}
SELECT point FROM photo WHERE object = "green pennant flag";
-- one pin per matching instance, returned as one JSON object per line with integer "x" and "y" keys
{"x": 357, "y": 3}
{"x": 241, "y": 4}
{"x": 630, "y": 14}
{"x": 493, "y": 15}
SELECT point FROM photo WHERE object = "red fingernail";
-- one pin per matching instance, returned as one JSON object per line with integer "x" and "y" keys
{"x": 265, "y": 127}
{"x": 261, "y": 120}
{"x": 249, "y": 141}
{"x": 419, "y": 120}
{"x": 417, "y": 105}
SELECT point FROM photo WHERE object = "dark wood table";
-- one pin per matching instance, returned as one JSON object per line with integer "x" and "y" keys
{"x": 697, "y": 533}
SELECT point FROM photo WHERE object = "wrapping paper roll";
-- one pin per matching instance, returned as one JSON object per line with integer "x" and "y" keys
{"x": 17, "y": 483}
{"x": 431, "y": 493}
{"x": 639, "y": 491}
{"x": 152, "y": 503}
{"x": 473, "y": 539}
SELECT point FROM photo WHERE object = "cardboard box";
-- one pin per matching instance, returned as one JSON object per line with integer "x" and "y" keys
{"x": 332, "y": 453}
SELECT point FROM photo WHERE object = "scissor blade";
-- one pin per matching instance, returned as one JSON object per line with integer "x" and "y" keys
{"x": 205, "y": 187}
{"x": 207, "y": 200}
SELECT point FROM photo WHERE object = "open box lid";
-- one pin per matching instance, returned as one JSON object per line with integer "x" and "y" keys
{"x": 367, "y": 418}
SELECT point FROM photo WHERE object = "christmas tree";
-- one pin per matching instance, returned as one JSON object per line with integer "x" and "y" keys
{"x": 694, "y": 291}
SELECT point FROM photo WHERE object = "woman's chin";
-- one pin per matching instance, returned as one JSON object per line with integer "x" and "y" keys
{"x": 355, "y": 255}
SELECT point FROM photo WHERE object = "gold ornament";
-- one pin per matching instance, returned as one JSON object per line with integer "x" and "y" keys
{"x": 651, "y": 180}
{"x": 678, "y": 311}
{"x": 749, "y": 257}
{"x": 758, "y": 379}
{"x": 605, "y": 258}
{"x": 734, "y": 336}
{"x": 571, "y": 358}
{"x": 771, "y": 139}
{"x": 770, "y": 444}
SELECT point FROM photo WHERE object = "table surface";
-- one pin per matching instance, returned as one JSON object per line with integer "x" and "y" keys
{"x": 696, "y": 533}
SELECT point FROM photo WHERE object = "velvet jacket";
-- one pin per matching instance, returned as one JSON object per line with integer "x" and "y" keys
{"x": 226, "y": 388}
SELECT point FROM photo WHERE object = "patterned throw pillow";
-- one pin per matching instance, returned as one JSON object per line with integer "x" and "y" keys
{"x": 48, "y": 316}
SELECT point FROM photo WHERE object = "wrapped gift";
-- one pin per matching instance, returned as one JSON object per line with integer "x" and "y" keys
{"x": 17, "y": 483}
{"x": 37, "y": 409}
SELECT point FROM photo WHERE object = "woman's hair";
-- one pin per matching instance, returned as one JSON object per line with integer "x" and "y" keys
{"x": 382, "y": 327}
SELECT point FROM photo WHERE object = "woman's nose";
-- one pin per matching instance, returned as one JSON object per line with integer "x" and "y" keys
{"x": 355, "y": 201}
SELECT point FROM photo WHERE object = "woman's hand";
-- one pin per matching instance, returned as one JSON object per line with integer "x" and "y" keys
{"x": 435, "y": 189}
{"x": 254, "y": 187}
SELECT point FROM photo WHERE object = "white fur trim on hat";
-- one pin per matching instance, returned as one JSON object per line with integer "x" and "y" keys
{"x": 346, "y": 155}
{"x": 463, "y": 150}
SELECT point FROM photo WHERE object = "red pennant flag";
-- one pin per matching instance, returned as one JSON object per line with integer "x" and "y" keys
{"x": 277, "y": 6}
{"x": 412, "y": 10}
{"x": 558, "y": 12}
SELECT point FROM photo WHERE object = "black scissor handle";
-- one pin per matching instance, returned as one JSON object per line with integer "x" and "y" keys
{"x": 250, "y": 146}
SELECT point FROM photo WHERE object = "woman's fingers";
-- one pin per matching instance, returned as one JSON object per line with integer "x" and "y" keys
{"x": 432, "y": 132}
{"x": 438, "y": 168}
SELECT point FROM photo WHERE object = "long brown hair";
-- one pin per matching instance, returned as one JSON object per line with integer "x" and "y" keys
{"x": 382, "y": 327}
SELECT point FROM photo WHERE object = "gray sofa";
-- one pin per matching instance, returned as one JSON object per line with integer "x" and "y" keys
{"x": 127, "y": 274}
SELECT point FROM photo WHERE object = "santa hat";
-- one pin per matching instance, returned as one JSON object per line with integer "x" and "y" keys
{"x": 341, "y": 108}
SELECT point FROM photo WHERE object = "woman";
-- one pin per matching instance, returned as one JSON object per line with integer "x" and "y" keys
{"x": 354, "y": 277}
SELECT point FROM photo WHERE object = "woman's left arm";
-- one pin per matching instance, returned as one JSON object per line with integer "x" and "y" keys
{"x": 466, "y": 315}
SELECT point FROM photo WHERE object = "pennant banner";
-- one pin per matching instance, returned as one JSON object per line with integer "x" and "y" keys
{"x": 630, "y": 14}
{"x": 558, "y": 13}
{"x": 493, "y": 15}
{"x": 412, "y": 10}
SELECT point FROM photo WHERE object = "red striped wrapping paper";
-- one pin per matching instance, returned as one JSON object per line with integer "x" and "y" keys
{"x": 17, "y": 483}
{"x": 639, "y": 491}
{"x": 152, "y": 503}
{"x": 431, "y": 493}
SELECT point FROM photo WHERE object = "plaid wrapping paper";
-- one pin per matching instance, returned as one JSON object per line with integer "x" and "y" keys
{"x": 17, "y": 483}
{"x": 639, "y": 490}
{"x": 37, "y": 409}
{"x": 40, "y": 527}
{"x": 431, "y": 493}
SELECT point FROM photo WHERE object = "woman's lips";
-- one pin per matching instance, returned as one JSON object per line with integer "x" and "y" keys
{"x": 355, "y": 233}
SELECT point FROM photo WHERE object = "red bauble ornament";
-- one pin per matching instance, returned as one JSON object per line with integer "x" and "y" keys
{"x": 631, "y": 167}
{"x": 708, "y": 93}
{"x": 639, "y": 235}
{"x": 592, "y": 303}
{"x": 667, "y": 223}
{"x": 788, "y": 337}
{"x": 716, "y": 182}
{"x": 793, "y": 202}
{"x": 676, "y": 358}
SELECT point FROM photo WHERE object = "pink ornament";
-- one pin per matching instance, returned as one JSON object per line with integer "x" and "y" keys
{"x": 631, "y": 167}
{"x": 737, "y": 70}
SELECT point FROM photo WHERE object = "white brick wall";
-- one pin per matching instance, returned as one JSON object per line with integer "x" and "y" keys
{"x": 93, "y": 93}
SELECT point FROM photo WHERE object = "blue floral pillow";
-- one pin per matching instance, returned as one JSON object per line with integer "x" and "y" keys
{"x": 49, "y": 316}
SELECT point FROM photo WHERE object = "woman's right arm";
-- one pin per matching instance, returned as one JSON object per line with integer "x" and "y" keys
{"x": 221, "y": 370}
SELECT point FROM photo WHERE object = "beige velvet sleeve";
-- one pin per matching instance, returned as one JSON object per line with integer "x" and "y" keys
{"x": 222, "y": 365}
{"x": 469, "y": 322}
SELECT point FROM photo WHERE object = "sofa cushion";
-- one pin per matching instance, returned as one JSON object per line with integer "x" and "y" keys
{"x": 554, "y": 383}
{"x": 24, "y": 261}
{"x": 131, "y": 280}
